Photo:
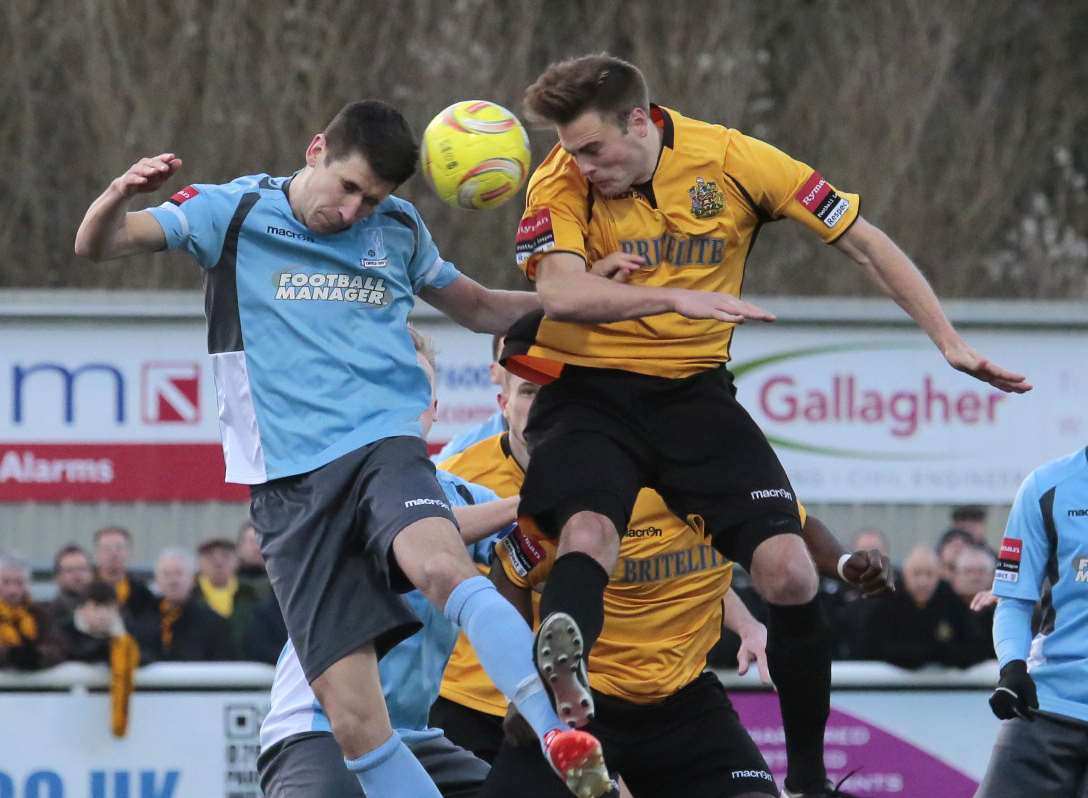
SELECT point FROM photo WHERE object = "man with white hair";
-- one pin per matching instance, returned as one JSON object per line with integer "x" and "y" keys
{"x": 187, "y": 629}
{"x": 24, "y": 640}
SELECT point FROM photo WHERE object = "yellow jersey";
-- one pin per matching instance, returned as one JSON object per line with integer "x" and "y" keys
{"x": 694, "y": 223}
{"x": 489, "y": 463}
{"x": 662, "y": 606}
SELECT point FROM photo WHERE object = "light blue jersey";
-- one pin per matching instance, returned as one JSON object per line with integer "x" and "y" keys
{"x": 411, "y": 671}
{"x": 1046, "y": 542}
{"x": 307, "y": 333}
{"x": 492, "y": 426}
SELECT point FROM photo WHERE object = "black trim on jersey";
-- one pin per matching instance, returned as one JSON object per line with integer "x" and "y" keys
{"x": 406, "y": 220}
{"x": 221, "y": 287}
{"x": 1048, "y": 615}
{"x": 464, "y": 493}
{"x": 285, "y": 185}
{"x": 504, "y": 444}
{"x": 668, "y": 132}
{"x": 845, "y": 229}
{"x": 589, "y": 205}
{"x": 266, "y": 182}
{"x": 762, "y": 214}
{"x": 647, "y": 191}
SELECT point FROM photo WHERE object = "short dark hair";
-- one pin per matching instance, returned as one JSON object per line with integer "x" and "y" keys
{"x": 379, "y": 133}
{"x": 211, "y": 545}
{"x": 954, "y": 534}
{"x": 65, "y": 550}
{"x": 968, "y": 512}
{"x": 602, "y": 83}
{"x": 119, "y": 530}
{"x": 99, "y": 592}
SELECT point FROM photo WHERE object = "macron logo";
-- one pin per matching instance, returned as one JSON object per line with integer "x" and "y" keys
{"x": 773, "y": 493}
{"x": 426, "y": 502}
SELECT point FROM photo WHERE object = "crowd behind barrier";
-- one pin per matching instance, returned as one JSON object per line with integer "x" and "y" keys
{"x": 216, "y": 604}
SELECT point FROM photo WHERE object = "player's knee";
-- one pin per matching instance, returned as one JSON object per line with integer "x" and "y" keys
{"x": 784, "y": 574}
{"x": 592, "y": 534}
{"x": 355, "y": 726}
{"x": 441, "y": 572}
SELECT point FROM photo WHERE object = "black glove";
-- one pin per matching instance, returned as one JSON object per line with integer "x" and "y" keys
{"x": 1015, "y": 695}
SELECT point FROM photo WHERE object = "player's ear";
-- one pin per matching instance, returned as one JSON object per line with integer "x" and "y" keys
{"x": 638, "y": 122}
{"x": 316, "y": 149}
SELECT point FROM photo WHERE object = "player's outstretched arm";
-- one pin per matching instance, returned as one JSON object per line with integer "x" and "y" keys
{"x": 108, "y": 231}
{"x": 477, "y": 521}
{"x": 569, "y": 293}
{"x": 753, "y": 636}
{"x": 481, "y": 309}
{"x": 890, "y": 268}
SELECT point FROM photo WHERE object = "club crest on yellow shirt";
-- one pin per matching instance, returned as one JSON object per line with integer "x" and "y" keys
{"x": 706, "y": 198}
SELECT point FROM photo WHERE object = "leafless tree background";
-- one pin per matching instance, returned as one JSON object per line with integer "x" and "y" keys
{"x": 962, "y": 123}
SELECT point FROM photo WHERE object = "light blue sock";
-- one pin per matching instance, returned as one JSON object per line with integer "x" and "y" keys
{"x": 504, "y": 644}
{"x": 392, "y": 771}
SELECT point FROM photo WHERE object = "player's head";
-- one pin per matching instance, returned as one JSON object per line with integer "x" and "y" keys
{"x": 425, "y": 355}
{"x": 516, "y": 399}
{"x": 600, "y": 107}
{"x": 362, "y": 155}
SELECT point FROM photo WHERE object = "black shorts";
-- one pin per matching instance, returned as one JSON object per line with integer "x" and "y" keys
{"x": 327, "y": 539}
{"x": 597, "y": 436}
{"x": 691, "y": 744}
{"x": 478, "y": 732}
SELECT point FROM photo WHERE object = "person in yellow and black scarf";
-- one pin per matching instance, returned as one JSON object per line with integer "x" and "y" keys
{"x": 187, "y": 630}
{"x": 96, "y": 634}
{"x": 112, "y": 548}
{"x": 25, "y": 639}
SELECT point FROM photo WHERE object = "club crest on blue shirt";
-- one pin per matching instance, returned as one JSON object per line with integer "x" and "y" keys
{"x": 374, "y": 251}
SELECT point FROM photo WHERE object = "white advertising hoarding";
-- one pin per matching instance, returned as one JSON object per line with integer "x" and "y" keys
{"x": 876, "y": 415}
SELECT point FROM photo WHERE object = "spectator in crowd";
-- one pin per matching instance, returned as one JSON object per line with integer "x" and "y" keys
{"x": 187, "y": 630}
{"x": 921, "y": 624}
{"x": 25, "y": 641}
{"x": 112, "y": 549}
{"x": 949, "y": 546}
{"x": 974, "y": 574}
{"x": 250, "y": 562}
{"x": 870, "y": 538}
{"x": 95, "y": 621}
{"x": 971, "y": 518}
{"x": 72, "y": 574}
{"x": 220, "y": 588}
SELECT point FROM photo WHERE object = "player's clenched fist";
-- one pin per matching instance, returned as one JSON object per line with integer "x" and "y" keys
{"x": 871, "y": 571}
{"x": 147, "y": 174}
{"x": 713, "y": 305}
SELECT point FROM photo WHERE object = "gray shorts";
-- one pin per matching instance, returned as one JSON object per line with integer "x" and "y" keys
{"x": 327, "y": 539}
{"x": 311, "y": 765}
{"x": 1046, "y": 757}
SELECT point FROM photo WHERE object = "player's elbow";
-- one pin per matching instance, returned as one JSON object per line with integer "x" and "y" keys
{"x": 558, "y": 305}
{"x": 86, "y": 249}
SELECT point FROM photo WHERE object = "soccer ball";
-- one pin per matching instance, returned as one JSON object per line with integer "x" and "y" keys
{"x": 475, "y": 155}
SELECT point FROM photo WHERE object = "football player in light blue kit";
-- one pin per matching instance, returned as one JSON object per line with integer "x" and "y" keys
{"x": 308, "y": 283}
{"x": 1042, "y": 696}
{"x": 296, "y": 738}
